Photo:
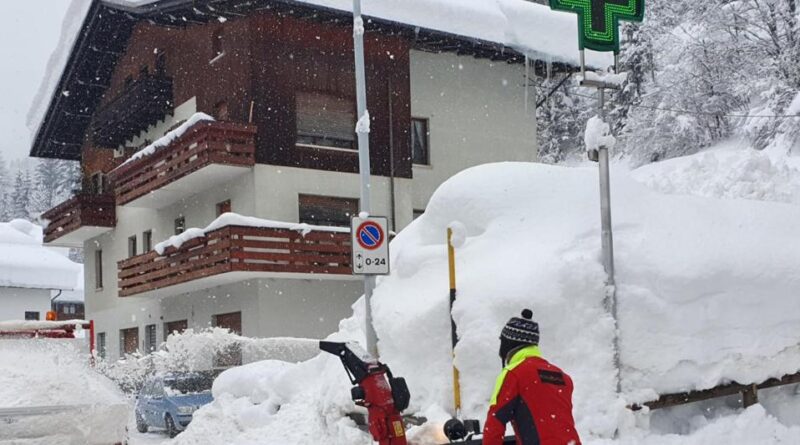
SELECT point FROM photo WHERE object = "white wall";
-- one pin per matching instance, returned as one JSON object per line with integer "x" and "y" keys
{"x": 476, "y": 112}
{"x": 269, "y": 307}
{"x": 15, "y": 301}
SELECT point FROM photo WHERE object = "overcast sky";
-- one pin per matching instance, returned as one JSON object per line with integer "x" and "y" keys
{"x": 29, "y": 34}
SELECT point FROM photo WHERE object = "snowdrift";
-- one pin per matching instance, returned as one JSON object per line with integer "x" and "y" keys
{"x": 706, "y": 287}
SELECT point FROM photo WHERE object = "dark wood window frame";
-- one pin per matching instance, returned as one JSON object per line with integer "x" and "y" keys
{"x": 175, "y": 326}
{"x": 150, "y": 338}
{"x": 326, "y": 210}
{"x": 128, "y": 345}
{"x": 335, "y": 110}
{"x": 101, "y": 344}
{"x": 147, "y": 241}
{"x": 180, "y": 225}
{"x": 133, "y": 246}
{"x": 224, "y": 207}
{"x": 98, "y": 269}
{"x": 423, "y": 155}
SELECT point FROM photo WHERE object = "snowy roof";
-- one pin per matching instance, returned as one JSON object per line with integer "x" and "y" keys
{"x": 529, "y": 27}
{"x": 26, "y": 263}
{"x": 501, "y": 27}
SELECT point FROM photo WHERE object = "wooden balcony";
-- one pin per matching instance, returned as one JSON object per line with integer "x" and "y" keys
{"x": 207, "y": 155}
{"x": 236, "y": 253}
{"x": 80, "y": 218}
{"x": 141, "y": 104}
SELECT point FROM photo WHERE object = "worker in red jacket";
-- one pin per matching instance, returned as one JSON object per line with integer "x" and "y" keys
{"x": 532, "y": 394}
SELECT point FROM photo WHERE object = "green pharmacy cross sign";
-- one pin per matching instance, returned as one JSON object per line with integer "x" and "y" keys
{"x": 598, "y": 20}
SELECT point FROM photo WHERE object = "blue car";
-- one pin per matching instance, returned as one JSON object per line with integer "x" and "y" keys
{"x": 168, "y": 400}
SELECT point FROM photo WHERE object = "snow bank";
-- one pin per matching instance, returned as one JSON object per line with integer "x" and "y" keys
{"x": 50, "y": 372}
{"x": 728, "y": 170}
{"x": 234, "y": 219}
{"x": 169, "y": 137}
{"x": 24, "y": 262}
{"x": 693, "y": 276}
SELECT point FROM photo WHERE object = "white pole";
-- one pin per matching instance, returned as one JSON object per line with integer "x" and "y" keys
{"x": 362, "y": 131}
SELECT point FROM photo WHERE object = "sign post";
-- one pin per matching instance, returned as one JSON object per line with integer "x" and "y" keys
{"x": 598, "y": 29}
{"x": 362, "y": 132}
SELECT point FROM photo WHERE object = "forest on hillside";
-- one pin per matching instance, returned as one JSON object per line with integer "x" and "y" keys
{"x": 699, "y": 72}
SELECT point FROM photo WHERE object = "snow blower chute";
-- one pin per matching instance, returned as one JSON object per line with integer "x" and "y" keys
{"x": 376, "y": 389}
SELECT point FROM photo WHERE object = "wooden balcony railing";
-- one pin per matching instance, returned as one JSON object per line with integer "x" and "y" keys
{"x": 204, "y": 144}
{"x": 237, "y": 249}
{"x": 82, "y": 210}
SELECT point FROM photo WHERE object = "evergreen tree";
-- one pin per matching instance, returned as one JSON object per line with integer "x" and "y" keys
{"x": 21, "y": 196}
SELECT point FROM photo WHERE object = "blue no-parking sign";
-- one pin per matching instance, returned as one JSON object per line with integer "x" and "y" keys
{"x": 370, "y": 246}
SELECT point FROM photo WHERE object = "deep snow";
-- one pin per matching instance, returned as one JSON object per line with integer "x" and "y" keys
{"x": 26, "y": 263}
{"x": 694, "y": 274}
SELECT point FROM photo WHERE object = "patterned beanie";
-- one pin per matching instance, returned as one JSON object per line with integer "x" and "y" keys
{"x": 519, "y": 332}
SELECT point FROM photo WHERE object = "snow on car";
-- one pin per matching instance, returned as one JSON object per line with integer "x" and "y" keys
{"x": 49, "y": 392}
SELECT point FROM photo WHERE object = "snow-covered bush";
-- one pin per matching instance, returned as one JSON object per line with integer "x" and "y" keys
{"x": 204, "y": 350}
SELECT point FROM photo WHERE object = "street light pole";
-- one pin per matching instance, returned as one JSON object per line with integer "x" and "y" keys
{"x": 362, "y": 132}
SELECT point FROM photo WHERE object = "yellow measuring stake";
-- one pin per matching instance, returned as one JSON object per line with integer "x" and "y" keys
{"x": 451, "y": 258}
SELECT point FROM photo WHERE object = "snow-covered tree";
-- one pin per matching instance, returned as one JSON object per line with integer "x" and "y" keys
{"x": 21, "y": 196}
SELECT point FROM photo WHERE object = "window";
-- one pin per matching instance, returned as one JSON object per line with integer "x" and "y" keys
{"x": 417, "y": 213}
{"x": 419, "y": 141}
{"x": 31, "y": 315}
{"x": 221, "y": 111}
{"x": 177, "y": 326}
{"x": 98, "y": 269}
{"x": 180, "y": 225}
{"x": 325, "y": 120}
{"x": 223, "y": 207}
{"x": 98, "y": 183}
{"x": 150, "y": 338}
{"x": 128, "y": 341}
{"x": 216, "y": 43}
{"x": 147, "y": 241}
{"x": 101, "y": 344}
{"x": 327, "y": 210}
{"x": 132, "y": 246}
{"x": 161, "y": 64}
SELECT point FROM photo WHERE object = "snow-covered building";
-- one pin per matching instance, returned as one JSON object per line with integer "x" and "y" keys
{"x": 184, "y": 111}
{"x": 30, "y": 272}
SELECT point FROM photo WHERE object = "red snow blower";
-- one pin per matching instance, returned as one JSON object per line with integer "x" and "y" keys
{"x": 376, "y": 389}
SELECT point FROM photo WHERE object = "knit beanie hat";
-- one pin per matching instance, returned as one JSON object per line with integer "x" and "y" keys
{"x": 519, "y": 332}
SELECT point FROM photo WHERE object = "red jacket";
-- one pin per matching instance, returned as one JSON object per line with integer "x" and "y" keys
{"x": 536, "y": 397}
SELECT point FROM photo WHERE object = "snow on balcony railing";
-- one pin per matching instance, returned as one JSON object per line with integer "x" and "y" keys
{"x": 197, "y": 143}
{"x": 235, "y": 243}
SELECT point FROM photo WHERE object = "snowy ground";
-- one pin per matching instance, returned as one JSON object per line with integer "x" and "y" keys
{"x": 694, "y": 273}
{"x": 707, "y": 271}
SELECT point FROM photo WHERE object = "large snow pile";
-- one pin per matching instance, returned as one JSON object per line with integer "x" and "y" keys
{"x": 706, "y": 288}
{"x": 728, "y": 170}
{"x": 24, "y": 262}
{"x": 50, "y": 372}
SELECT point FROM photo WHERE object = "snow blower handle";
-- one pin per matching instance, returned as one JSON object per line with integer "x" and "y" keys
{"x": 384, "y": 396}
{"x": 357, "y": 369}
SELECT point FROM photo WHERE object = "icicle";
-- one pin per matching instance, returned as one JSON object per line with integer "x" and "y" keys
{"x": 549, "y": 67}
{"x": 527, "y": 82}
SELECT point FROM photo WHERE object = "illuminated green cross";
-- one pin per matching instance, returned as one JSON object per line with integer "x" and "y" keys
{"x": 598, "y": 20}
